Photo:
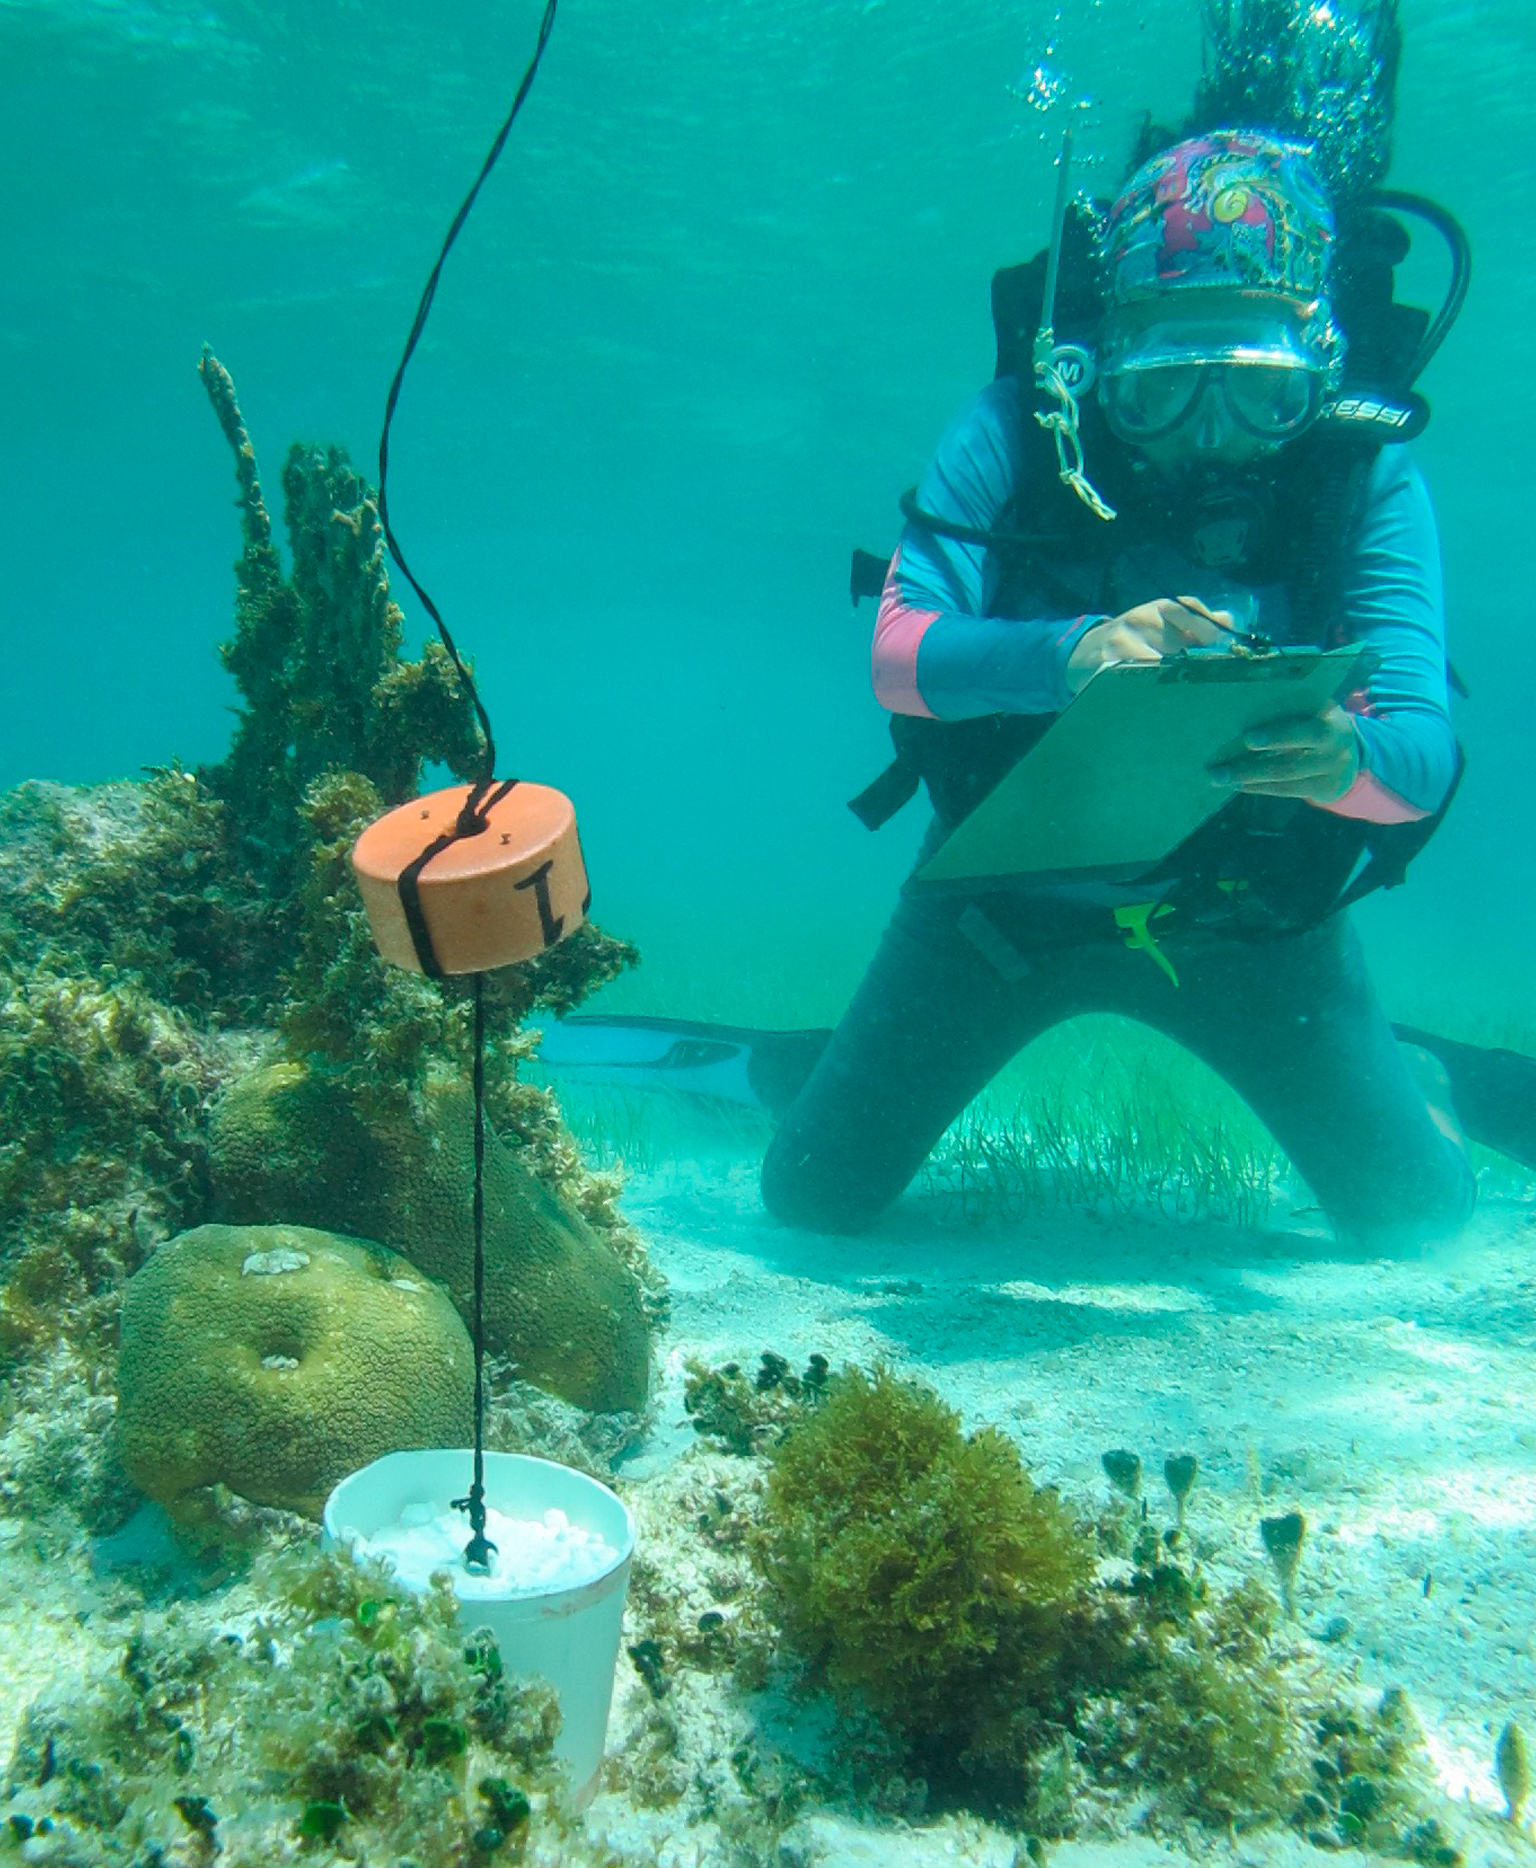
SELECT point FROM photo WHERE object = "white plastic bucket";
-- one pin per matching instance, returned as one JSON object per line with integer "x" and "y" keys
{"x": 568, "y": 1635}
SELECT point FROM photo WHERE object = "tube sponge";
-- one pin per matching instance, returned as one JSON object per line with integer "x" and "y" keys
{"x": 277, "y": 1359}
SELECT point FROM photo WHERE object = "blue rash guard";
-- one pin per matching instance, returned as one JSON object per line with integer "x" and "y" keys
{"x": 940, "y": 652}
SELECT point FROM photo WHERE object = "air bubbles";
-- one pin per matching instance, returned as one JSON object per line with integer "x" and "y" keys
{"x": 1042, "y": 89}
{"x": 1045, "y": 87}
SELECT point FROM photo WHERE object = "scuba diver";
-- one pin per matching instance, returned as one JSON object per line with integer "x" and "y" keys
{"x": 1239, "y": 511}
{"x": 1192, "y": 445}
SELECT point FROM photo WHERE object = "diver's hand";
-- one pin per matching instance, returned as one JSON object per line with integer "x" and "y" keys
{"x": 1145, "y": 634}
{"x": 1317, "y": 758}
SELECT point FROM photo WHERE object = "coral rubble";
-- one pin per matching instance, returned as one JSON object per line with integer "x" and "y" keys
{"x": 336, "y": 1717}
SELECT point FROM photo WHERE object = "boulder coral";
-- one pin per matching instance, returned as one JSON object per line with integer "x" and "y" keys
{"x": 288, "y": 1144}
{"x": 277, "y": 1359}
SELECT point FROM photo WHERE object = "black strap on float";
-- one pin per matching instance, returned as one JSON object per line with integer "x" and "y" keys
{"x": 472, "y": 818}
{"x": 408, "y": 888}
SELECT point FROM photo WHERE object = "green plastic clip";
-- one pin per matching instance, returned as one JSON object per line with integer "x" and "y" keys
{"x": 1135, "y": 921}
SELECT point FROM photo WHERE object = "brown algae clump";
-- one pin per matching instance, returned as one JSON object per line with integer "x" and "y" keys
{"x": 923, "y": 1570}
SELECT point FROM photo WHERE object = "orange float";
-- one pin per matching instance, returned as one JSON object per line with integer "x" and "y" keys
{"x": 452, "y": 891}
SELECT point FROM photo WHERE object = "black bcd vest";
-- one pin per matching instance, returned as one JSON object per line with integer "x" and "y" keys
{"x": 1259, "y": 867}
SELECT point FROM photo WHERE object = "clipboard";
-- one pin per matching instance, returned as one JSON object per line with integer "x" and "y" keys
{"x": 1120, "y": 778}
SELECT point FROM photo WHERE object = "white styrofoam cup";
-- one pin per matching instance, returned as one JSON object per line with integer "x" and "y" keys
{"x": 567, "y": 1634}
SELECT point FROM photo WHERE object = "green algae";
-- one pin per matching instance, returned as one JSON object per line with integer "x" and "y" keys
{"x": 343, "y": 1702}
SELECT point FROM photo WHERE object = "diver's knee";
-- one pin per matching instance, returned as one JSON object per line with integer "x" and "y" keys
{"x": 1429, "y": 1214}
{"x": 801, "y": 1190}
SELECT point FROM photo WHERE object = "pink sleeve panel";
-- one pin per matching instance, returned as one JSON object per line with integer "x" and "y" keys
{"x": 1368, "y": 798}
{"x": 899, "y": 631}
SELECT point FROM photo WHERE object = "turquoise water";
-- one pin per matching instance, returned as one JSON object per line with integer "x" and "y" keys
{"x": 725, "y": 291}
{"x": 723, "y": 294}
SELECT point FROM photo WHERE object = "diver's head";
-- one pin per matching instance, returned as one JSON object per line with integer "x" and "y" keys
{"x": 1219, "y": 344}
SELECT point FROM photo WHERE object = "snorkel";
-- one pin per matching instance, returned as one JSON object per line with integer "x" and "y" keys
{"x": 1064, "y": 371}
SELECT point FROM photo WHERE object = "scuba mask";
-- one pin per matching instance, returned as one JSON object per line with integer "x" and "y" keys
{"x": 1251, "y": 367}
{"x": 1267, "y": 401}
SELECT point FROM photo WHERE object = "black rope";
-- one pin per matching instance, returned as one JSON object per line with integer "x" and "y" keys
{"x": 479, "y": 1550}
{"x": 470, "y": 814}
{"x": 471, "y": 820}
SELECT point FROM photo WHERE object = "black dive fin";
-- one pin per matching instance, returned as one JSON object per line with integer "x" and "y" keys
{"x": 723, "y": 1063}
{"x": 1495, "y": 1091}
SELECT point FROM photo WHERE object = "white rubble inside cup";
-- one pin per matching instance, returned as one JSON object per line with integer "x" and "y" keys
{"x": 531, "y": 1555}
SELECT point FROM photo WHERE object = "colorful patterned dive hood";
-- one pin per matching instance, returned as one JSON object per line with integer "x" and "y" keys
{"x": 1235, "y": 210}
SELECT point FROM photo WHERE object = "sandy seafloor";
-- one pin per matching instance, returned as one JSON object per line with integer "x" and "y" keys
{"x": 1394, "y": 1402}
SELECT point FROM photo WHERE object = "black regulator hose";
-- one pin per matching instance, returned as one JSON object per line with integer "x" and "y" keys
{"x": 1451, "y": 231}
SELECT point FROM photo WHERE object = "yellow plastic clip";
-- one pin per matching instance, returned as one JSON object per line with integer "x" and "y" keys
{"x": 1135, "y": 920}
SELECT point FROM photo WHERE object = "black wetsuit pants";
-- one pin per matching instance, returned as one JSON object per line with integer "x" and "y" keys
{"x": 1293, "y": 1025}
